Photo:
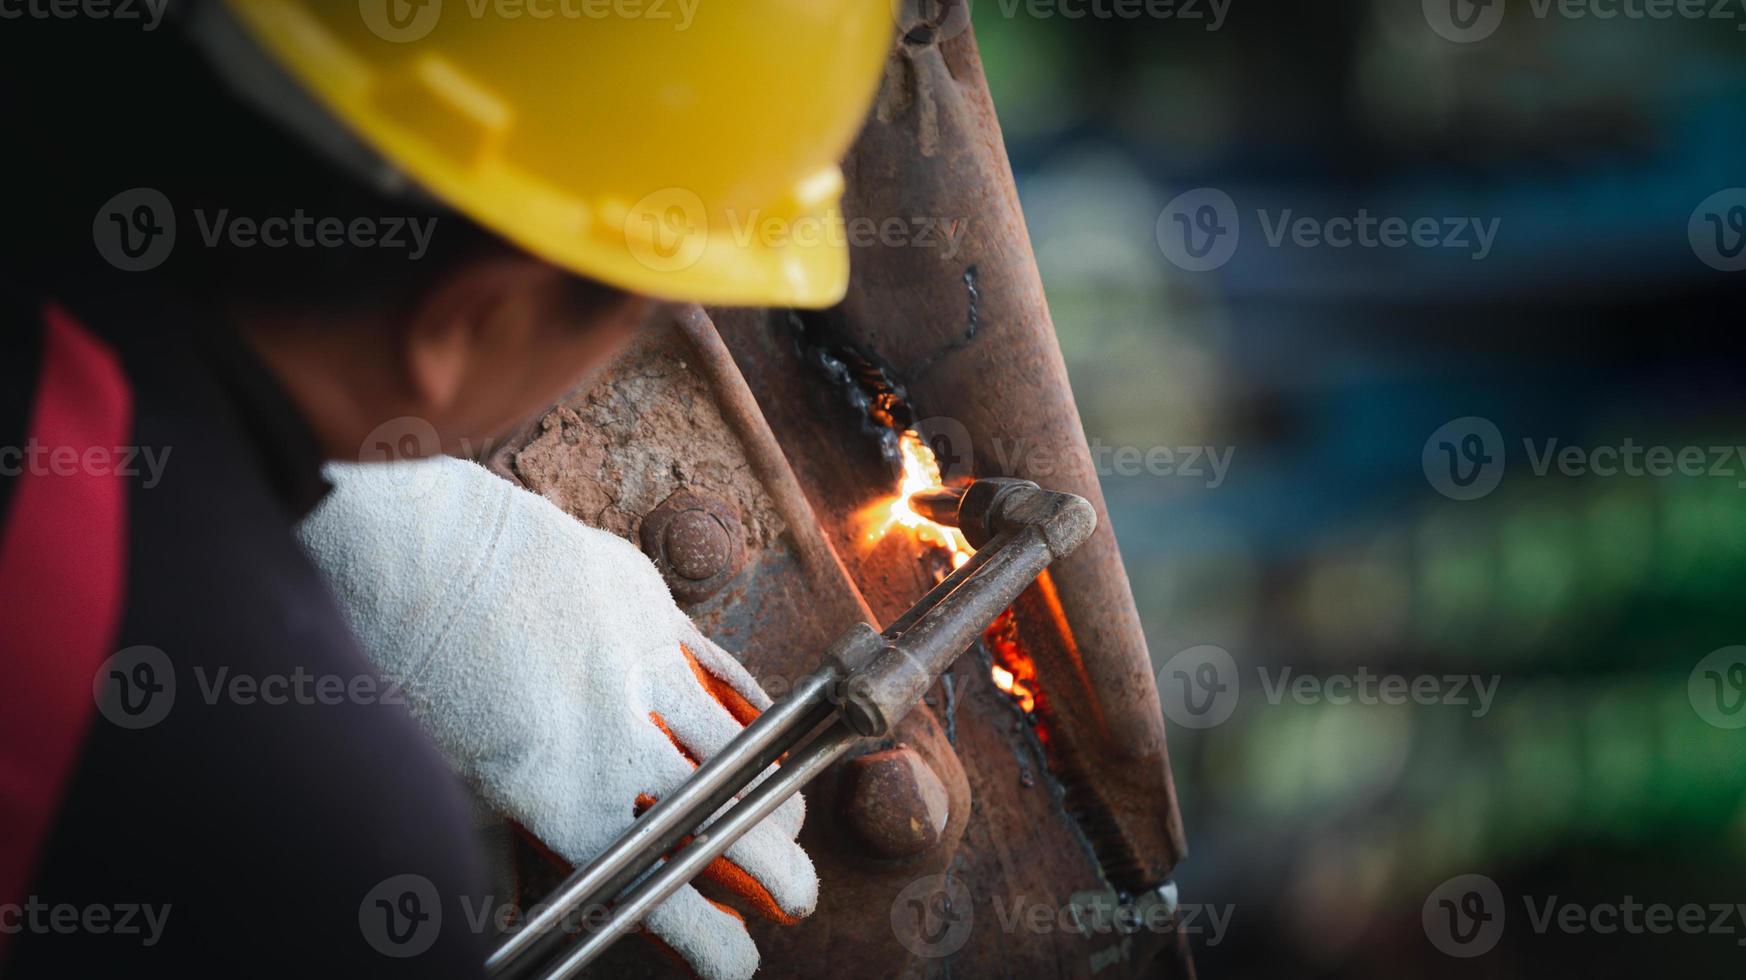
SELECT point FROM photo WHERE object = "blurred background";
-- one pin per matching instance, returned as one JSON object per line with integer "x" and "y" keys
{"x": 1602, "y": 311}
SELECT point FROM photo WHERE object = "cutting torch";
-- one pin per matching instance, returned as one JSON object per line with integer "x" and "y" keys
{"x": 866, "y": 681}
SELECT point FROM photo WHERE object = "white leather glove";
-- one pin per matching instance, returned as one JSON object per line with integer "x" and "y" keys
{"x": 550, "y": 664}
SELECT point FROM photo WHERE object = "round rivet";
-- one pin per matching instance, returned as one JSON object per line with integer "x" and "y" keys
{"x": 696, "y": 545}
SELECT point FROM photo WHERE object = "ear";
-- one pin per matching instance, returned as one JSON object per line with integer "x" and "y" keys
{"x": 480, "y": 308}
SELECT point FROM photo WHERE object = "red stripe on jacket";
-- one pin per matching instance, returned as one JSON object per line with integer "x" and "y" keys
{"x": 62, "y": 567}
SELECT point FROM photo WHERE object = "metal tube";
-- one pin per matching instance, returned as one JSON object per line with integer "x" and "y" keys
{"x": 669, "y": 820}
{"x": 881, "y": 695}
{"x": 708, "y": 845}
{"x": 945, "y": 588}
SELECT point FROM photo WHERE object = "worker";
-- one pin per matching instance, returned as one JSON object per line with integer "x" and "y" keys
{"x": 200, "y": 771}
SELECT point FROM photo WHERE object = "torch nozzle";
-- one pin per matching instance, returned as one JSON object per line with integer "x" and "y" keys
{"x": 939, "y": 506}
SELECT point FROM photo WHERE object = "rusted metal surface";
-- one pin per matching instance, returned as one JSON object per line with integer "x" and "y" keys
{"x": 967, "y": 339}
{"x": 968, "y": 334}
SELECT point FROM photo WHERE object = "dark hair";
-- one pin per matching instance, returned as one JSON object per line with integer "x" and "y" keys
{"x": 110, "y": 108}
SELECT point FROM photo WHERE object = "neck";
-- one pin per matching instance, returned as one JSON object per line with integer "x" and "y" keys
{"x": 333, "y": 377}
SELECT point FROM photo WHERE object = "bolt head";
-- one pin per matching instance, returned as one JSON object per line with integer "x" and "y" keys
{"x": 697, "y": 545}
{"x": 897, "y": 804}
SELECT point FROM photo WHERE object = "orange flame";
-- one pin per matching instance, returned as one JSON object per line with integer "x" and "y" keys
{"x": 1013, "y": 671}
{"x": 921, "y": 473}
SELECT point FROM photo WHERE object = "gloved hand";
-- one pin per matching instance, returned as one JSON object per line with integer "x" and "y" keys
{"x": 550, "y": 664}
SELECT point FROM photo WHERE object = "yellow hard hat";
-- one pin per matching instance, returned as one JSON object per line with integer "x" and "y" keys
{"x": 678, "y": 148}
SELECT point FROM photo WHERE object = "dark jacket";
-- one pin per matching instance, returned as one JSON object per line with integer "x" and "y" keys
{"x": 200, "y": 774}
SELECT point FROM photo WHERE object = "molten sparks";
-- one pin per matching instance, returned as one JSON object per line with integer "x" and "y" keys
{"x": 921, "y": 473}
{"x": 1013, "y": 671}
